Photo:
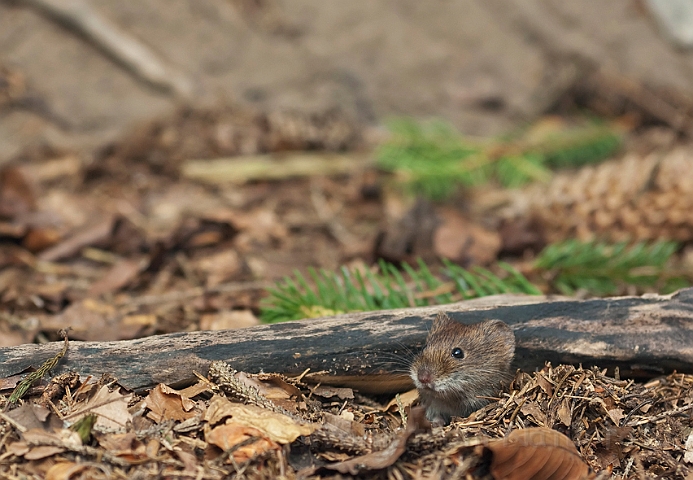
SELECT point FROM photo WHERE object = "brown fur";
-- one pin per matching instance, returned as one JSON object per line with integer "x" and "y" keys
{"x": 455, "y": 384}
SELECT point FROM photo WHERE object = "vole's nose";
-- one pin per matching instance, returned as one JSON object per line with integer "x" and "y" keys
{"x": 425, "y": 376}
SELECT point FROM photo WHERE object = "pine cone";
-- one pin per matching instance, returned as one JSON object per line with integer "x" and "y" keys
{"x": 635, "y": 198}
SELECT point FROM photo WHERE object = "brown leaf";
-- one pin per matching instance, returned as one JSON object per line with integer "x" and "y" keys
{"x": 407, "y": 399}
{"x": 11, "y": 336}
{"x": 44, "y": 443}
{"x": 277, "y": 381}
{"x": 218, "y": 267}
{"x": 564, "y": 413}
{"x": 464, "y": 241}
{"x": 124, "y": 445}
{"x": 228, "y": 320}
{"x": 343, "y": 424}
{"x": 166, "y": 403}
{"x": 329, "y": 392}
{"x": 18, "y": 449}
{"x": 276, "y": 426}
{"x": 110, "y": 407}
{"x": 538, "y": 454}
{"x": 65, "y": 470}
{"x": 531, "y": 408}
{"x": 196, "y": 389}
{"x": 8, "y": 383}
{"x": 411, "y": 236}
{"x": 40, "y": 238}
{"x": 545, "y": 384}
{"x": 119, "y": 276}
{"x": 43, "y": 451}
{"x": 16, "y": 193}
{"x": 616, "y": 415}
{"x": 31, "y": 416}
{"x": 90, "y": 235}
{"x": 230, "y": 435}
{"x": 92, "y": 320}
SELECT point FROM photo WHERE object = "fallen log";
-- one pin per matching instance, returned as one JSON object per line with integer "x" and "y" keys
{"x": 642, "y": 336}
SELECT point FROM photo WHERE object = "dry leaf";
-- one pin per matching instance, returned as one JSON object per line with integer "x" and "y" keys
{"x": 531, "y": 408}
{"x": 139, "y": 320}
{"x": 8, "y": 383}
{"x": 124, "y": 445}
{"x": 538, "y": 454}
{"x": 228, "y": 436}
{"x": 119, "y": 276}
{"x": 616, "y": 415}
{"x": 564, "y": 414}
{"x": 688, "y": 456}
{"x": 91, "y": 320}
{"x": 44, "y": 444}
{"x": 16, "y": 193}
{"x": 165, "y": 403}
{"x": 464, "y": 241}
{"x": 18, "y": 449}
{"x": 65, "y": 470}
{"x": 273, "y": 387}
{"x": 110, "y": 407}
{"x": 276, "y": 426}
{"x": 32, "y": 416}
{"x": 218, "y": 267}
{"x": 545, "y": 384}
{"x": 406, "y": 398}
{"x": 43, "y": 451}
{"x": 344, "y": 424}
{"x": 329, "y": 392}
{"x": 95, "y": 234}
{"x": 40, "y": 238}
{"x": 195, "y": 389}
{"x": 278, "y": 381}
{"x": 228, "y": 320}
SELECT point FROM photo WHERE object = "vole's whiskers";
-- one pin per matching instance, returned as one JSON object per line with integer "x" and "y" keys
{"x": 401, "y": 362}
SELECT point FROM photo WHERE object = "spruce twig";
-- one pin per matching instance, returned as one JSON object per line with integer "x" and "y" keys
{"x": 596, "y": 268}
{"x": 332, "y": 293}
{"x": 23, "y": 386}
{"x": 433, "y": 160}
{"x": 600, "y": 268}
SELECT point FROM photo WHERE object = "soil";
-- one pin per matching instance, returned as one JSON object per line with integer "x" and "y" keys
{"x": 485, "y": 65}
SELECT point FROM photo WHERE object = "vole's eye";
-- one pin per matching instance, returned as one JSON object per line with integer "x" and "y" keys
{"x": 457, "y": 352}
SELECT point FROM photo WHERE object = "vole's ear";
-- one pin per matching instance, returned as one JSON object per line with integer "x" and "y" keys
{"x": 501, "y": 330}
{"x": 440, "y": 321}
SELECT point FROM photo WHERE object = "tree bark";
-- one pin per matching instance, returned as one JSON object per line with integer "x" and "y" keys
{"x": 642, "y": 336}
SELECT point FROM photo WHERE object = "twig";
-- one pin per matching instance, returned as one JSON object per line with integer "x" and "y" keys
{"x": 142, "y": 62}
{"x": 247, "y": 168}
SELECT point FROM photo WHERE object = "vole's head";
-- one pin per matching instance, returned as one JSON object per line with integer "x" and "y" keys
{"x": 462, "y": 358}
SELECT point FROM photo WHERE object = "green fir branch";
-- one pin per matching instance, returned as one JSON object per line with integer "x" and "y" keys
{"x": 593, "y": 267}
{"x": 433, "y": 160}
{"x": 332, "y": 293}
{"x": 601, "y": 269}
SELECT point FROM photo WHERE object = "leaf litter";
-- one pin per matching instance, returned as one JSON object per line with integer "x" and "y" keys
{"x": 562, "y": 422}
{"x": 120, "y": 244}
